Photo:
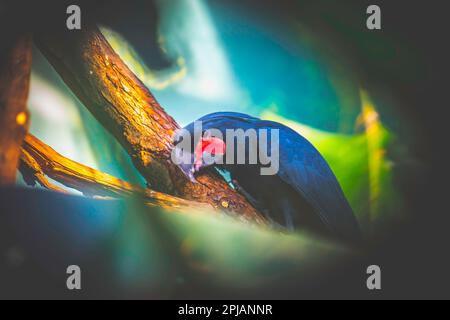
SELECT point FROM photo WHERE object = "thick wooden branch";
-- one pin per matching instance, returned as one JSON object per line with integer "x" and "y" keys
{"x": 122, "y": 104}
{"x": 15, "y": 67}
{"x": 38, "y": 160}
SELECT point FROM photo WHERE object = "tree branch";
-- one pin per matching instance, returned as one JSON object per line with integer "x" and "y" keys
{"x": 38, "y": 160}
{"x": 123, "y": 105}
{"x": 15, "y": 67}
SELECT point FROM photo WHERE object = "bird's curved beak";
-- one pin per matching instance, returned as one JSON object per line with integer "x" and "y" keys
{"x": 188, "y": 170}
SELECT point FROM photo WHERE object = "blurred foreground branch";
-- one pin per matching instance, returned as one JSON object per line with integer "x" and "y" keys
{"x": 15, "y": 67}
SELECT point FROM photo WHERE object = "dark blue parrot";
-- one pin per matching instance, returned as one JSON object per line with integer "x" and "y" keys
{"x": 303, "y": 194}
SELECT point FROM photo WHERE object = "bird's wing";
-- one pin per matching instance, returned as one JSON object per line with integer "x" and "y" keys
{"x": 304, "y": 168}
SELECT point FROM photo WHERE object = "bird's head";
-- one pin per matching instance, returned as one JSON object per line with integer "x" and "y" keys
{"x": 196, "y": 150}
{"x": 203, "y": 142}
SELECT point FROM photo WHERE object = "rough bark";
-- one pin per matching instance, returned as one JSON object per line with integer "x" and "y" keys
{"x": 15, "y": 67}
{"x": 123, "y": 105}
{"x": 38, "y": 160}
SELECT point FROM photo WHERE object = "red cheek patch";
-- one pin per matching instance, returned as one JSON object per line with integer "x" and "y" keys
{"x": 212, "y": 145}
